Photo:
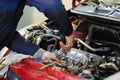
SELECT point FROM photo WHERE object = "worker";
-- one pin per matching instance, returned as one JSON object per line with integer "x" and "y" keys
{"x": 10, "y": 14}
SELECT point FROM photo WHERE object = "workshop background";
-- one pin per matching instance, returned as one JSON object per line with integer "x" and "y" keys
{"x": 32, "y": 15}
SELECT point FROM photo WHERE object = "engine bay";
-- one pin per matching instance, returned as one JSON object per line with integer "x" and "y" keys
{"x": 96, "y": 52}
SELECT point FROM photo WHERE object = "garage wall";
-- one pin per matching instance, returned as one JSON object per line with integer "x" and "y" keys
{"x": 32, "y": 15}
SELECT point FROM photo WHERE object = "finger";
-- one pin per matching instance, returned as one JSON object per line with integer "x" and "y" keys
{"x": 57, "y": 59}
{"x": 62, "y": 44}
{"x": 43, "y": 58}
{"x": 65, "y": 50}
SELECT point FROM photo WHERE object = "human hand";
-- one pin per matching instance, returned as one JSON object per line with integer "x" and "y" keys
{"x": 50, "y": 55}
{"x": 69, "y": 43}
{"x": 41, "y": 53}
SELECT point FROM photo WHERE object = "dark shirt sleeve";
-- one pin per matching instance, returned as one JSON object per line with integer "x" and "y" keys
{"x": 10, "y": 15}
{"x": 55, "y": 11}
{"x": 20, "y": 45}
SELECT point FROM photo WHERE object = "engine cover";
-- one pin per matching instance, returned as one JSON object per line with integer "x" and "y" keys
{"x": 30, "y": 70}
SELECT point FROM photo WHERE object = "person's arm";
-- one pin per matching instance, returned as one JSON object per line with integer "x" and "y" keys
{"x": 21, "y": 45}
{"x": 55, "y": 11}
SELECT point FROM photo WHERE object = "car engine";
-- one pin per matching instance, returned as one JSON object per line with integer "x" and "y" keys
{"x": 95, "y": 54}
